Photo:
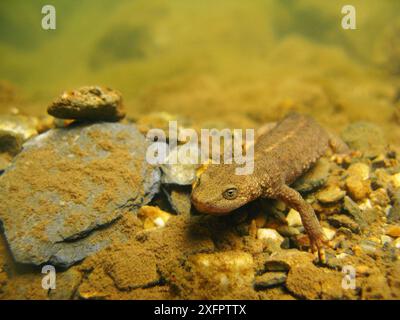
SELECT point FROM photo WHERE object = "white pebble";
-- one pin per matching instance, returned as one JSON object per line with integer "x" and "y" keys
{"x": 329, "y": 233}
{"x": 341, "y": 255}
{"x": 294, "y": 219}
{"x": 365, "y": 205}
{"x": 386, "y": 239}
{"x": 159, "y": 222}
{"x": 269, "y": 234}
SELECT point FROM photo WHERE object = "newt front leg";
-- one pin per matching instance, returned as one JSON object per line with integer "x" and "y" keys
{"x": 310, "y": 222}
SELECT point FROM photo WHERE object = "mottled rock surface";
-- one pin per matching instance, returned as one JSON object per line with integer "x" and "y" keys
{"x": 92, "y": 103}
{"x": 68, "y": 187}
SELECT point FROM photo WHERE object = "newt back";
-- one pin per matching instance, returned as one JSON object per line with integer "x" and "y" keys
{"x": 291, "y": 148}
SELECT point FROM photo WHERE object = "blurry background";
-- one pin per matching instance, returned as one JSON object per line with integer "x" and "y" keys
{"x": 233, "y": 62}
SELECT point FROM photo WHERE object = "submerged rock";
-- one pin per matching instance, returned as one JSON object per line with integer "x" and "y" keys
{"x": 91, "y": 103}
{"x": 351, "y": 208}
{"x": 182, "y": 171}
{"x": 365, "y": 137}
{"x": 357, "y": 188}
{"x": 179, "y": 198}
{"x": 270, "y": 279}
{"x": 14, "y": 131}
{"x": 330, "y": 195}
{"x": 339, "y": 220}
{"x": 153, "y": 217}
{"x": 359, "y": 170}
{"x": 314, "y": 178}
{"x": 393, "y": 231}
{"x": 67, "y": 185}
{"x": 270, "y": 236}
{"x": 294, "y": 219}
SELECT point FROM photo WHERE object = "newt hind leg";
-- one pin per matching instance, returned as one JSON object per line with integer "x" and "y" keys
{"x": 310, "y": 222}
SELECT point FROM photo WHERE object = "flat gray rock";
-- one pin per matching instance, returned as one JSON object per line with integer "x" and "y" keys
{"x": 70, "y": 185}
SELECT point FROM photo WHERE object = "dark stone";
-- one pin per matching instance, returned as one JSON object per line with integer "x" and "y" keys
{"x": 269, "y": 279}
{"x": 92, "y": 103}
{"x": 340, "y": 220}
{"x": 352, "y": 209}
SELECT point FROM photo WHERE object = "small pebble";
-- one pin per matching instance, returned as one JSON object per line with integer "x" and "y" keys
{"x": 222, "y": 271}
{"x": 330, "y": 195}
{"x": 14, "y": 131}
{"x": 365, "y": 205}
{"x": 279, "y": 205}
{"x": 341, "y": 220}
{"x": 396, "y": 180}
{"x": 293, "y": 218}
{"x": 358, "y": 189}
{"x": 315, "y": 178}
{"x": 381, "y": 178}
{"x": 380, "y": 161}
{"x": 329, "y": 233}
{"x": 351, "y": 208}
{"x": 393, "y": 231}
{"x": 396, "y": 243}
{"x": 153, "y": 217}
{"x": 380, "y": 197}
{"x": 183, "y": 171}
{"x": 270, "y": 279}
{"x": 288, "y": 231}
{"x": 386, "y": 239}
{"x": 342, "y": 255}
{"x": 369, "y": 247}
{"x": 269, "y": 235}
{"x": 359, "y": 170}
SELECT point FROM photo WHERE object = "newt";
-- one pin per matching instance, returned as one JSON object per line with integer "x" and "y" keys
{"x": 281, "y": 155}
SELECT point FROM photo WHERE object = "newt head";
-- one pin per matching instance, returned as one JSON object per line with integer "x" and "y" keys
{"x": 219, "y": 190}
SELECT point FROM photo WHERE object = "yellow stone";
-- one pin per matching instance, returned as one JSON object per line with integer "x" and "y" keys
{"x": 393, "y": 231}
{"x": 396, "y": 180}
{"x": 153, "y": 217}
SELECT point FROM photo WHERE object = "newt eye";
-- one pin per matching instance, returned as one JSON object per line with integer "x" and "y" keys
{"x": 230, "y": 193}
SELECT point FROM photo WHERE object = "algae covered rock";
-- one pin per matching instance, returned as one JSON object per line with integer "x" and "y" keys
{"x": 92, "y": 103}
{"x": 68, "y": 186}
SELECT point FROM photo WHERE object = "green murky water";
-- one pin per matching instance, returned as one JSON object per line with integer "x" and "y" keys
{"x": 244, "y": 61}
